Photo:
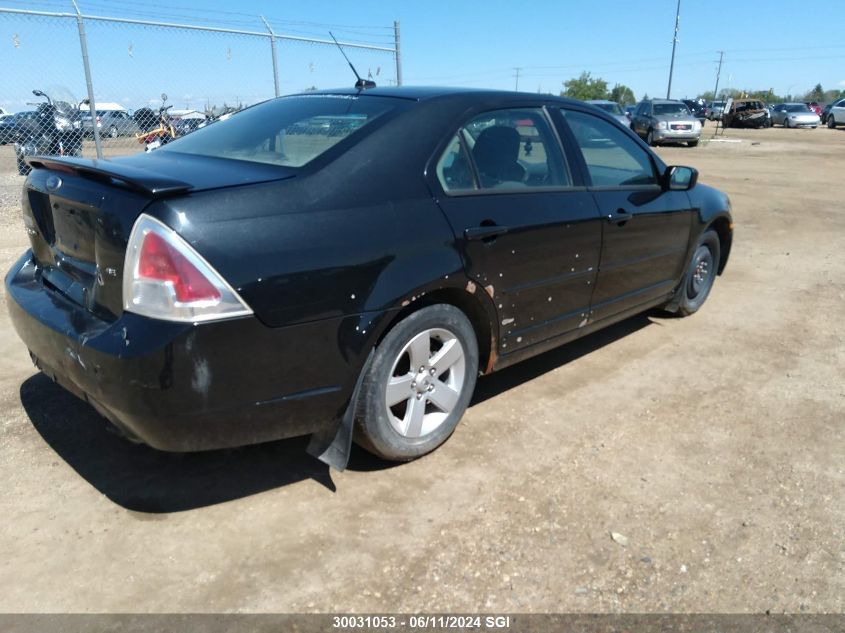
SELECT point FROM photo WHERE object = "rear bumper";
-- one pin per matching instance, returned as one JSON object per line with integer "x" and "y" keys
{"x": 805, "y": 123}
{"x": 185, "y": 387}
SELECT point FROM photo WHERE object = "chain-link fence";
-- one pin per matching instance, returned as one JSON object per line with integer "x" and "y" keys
{"x": 152, "y": 81}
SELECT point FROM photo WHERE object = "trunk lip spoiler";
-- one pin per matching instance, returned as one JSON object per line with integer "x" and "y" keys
{"x": 141, "y": 180}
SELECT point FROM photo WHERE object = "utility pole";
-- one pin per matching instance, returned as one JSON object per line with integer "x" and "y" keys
{"x": 516, "y": 87}
{"x": 718, "y": 72}
{"x": 674, "y": 43}
{"x": 398, "y": 53}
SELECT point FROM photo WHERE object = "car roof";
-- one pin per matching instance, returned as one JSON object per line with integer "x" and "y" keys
{"x": 599, "y": 101}
{"x": 665, "y": 101}
{"x": 426, "y": 93}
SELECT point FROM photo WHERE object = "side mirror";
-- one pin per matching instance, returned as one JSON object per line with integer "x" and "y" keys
{"x": 678, "y": 178}
{"x": 38, "y": 93}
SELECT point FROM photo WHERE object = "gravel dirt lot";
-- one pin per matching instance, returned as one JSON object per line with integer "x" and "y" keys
{"x": 715, "y": 445}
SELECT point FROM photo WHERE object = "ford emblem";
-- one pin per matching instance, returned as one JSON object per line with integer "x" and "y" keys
{"x": 53, "y": 183}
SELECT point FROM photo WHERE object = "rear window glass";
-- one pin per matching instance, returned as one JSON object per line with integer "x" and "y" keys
{"x": 289, "y": 132}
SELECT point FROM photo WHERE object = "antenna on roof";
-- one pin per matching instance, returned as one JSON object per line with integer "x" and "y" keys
{"x": 361, "y": 84}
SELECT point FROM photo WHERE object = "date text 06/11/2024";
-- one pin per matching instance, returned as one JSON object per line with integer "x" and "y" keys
{"x": 387, "y": 622}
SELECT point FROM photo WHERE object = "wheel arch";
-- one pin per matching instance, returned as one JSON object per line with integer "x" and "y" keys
{"x": 724, "y": 229}
{"x": 477, "y": 307}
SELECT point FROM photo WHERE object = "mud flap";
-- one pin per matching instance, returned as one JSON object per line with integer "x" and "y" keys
{"x": 333, "y": 444}
{"x": 675, "y": 301}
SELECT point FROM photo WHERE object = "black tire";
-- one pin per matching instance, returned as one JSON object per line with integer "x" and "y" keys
{"x": 831, "y": 122}
{"x": 692, "y": 143}
{"x": 700, "y": 274}
{"x": 374, "y": 430}
{"x": 786, "y": 121}
{"x": 649, "y": 139}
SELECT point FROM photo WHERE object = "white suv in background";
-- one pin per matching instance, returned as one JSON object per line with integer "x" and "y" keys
{"x": 836, "y": 116}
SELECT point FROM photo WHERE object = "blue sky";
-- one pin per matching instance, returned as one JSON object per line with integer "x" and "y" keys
{"x": 766, "y": 44}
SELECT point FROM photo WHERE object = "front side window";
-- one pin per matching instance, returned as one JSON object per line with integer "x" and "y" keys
{"x": 289, "y": 132}
{"x": 613, "y": 159}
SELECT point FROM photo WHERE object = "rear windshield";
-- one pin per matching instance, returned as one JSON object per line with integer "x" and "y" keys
{"x": 290, "y": 132}
{"x": 796, "y": 107}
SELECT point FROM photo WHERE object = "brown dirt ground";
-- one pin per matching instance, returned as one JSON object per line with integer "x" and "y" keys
{"x": 715, "y": 444}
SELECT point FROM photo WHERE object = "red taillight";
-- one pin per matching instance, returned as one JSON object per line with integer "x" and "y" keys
{"x": 159, "y": 261}
{"x": 165, "y": 278}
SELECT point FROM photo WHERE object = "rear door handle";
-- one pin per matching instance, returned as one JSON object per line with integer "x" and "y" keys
{"x": 619, "y": 217}
{"x": 484, "y": 232}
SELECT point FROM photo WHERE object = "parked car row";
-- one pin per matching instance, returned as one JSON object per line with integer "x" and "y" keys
{"x": 111, "y": 122}
{"x": 754, "y": 113}
{"x": 659, "y": 121}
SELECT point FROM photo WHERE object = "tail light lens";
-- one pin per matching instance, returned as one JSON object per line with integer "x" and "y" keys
{"x": 164, "y": 278}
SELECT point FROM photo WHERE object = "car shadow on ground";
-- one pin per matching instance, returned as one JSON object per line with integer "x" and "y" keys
{"x": 143, "y": 479}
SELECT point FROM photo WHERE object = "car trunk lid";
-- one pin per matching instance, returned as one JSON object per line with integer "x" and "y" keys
{"x": 79, "y": 214}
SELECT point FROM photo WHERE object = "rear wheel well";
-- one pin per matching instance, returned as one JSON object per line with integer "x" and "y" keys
{"x": 466, "y": 303}
{"x": 722, "y": 226}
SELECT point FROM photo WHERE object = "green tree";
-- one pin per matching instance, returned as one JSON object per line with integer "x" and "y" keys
{"x": 733, "y": 93}
{"x": 622, "y": 95}
{"x": 585, "y": 87}
{"x": 833, "y": 95}
{"x": 816, "y": 94}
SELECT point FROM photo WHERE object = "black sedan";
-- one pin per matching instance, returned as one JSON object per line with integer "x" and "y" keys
{"x": 271, "y": 276}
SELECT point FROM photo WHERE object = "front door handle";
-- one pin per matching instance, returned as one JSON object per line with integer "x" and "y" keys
{"x": 619, "y": 217}
{"x": 484, "y": 232}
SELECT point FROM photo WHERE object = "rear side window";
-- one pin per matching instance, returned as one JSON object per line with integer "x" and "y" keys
{"x": 512, "y": 149}
{"x": 454, "y": 169}
{"x": 613, "y": 159}
{"x": 289, "y": 132}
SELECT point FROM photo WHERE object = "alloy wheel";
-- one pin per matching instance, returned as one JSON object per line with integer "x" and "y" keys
{"x": 425, "y": 382}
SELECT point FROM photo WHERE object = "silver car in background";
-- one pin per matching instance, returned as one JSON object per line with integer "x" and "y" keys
{"x": 836, "y": 114}
{"x": 795, "y": 115}
{"x": 112, "y": 123}
{"x": 715, "y": 110}
{"x": 666, "y": 121}
{"x": 613, "y": 109}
